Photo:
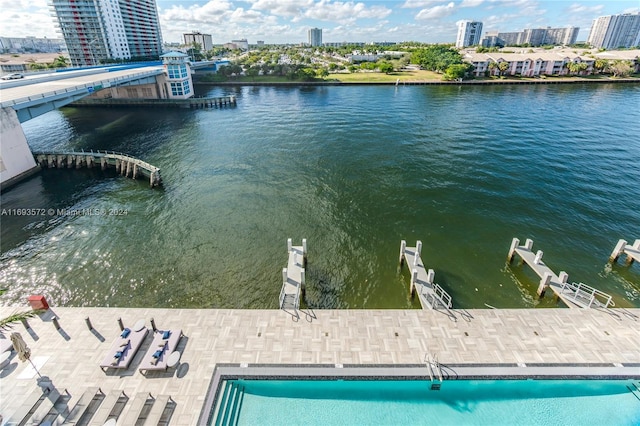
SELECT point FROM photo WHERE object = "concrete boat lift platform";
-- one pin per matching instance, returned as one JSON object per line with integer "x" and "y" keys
{"x": 293, "y": 276}
{"x": 574, "y": 295}
{"x": 632, "y": 251}
{"x": 430, "y": 294}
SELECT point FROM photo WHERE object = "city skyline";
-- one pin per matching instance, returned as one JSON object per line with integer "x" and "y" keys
{"x": 288, "y": 21}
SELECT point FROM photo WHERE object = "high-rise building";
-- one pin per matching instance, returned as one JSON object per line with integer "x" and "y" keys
{"x": 532, "y": 37}
{"x": 613, "y": 31}
{"x": 468, "y": 33}
{"x": 204, "y": 40}
{"x": 315, "y": 37}
{"x": 98, "y": 30}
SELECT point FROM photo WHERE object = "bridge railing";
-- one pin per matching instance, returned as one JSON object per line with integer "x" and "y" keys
{"x": 86, "y": 86}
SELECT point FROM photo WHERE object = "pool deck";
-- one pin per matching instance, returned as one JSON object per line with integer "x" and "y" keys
{"x": 70, "y": 357}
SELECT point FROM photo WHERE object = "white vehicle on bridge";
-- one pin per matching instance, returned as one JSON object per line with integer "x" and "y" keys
{"x": 14, "y": 76}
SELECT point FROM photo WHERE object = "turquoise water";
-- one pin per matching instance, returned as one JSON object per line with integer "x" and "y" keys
{"x": 503, "y": 402}
{"x": 352, "y": 169}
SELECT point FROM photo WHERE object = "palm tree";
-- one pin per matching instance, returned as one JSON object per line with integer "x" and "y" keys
{"x": 492, "y": 67}
{"x": 7, "y": 322}
{"x": 503, "y": 66}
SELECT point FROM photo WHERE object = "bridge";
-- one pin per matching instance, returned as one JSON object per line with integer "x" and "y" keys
{"x": 34, "y": 96}
{"x": 39, "y": 93}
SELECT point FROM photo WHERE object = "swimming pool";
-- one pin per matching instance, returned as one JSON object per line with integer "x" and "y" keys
{"x": 458, "y": 402}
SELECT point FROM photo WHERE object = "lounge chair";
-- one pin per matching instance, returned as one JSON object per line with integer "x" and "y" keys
{"x": 164, "y": 343}
{"x": 124, "y": 349}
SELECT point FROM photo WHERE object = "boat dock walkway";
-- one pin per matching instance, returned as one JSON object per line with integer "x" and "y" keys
{"x": 124, "y": 164}
{"x": 193, "y": 103}
{"x": 430, "y": 294}
{"x": 293, "y": 276}
{"x": 632, "y": 252}
{"x": 574, "y": 295}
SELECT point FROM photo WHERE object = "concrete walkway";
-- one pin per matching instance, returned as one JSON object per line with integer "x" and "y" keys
{"x": 70, "y": 356}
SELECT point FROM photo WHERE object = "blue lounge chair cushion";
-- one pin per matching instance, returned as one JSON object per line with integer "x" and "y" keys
{"x": 166, "y": 335}
{"x": 125, "y": 333}
{"x": 158, "y": 353}
{"x": 118, "y": 354}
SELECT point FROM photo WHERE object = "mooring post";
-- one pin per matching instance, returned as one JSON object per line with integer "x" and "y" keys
{"x": 538, "y": 257}
{"x": 87, "y": 320}
{"x": 418, "y": 248}
{"x": 284, "y": 275}
{"x": 153, "y": 325}
{"x": 617, "y": 251}
{"x": 528, "y": 244}
{"x": 514, "y": 244}
{"x": 304, "y": 250}
{"x": 563, "y": 276}
{"x": 430, "y": 276}
{"x": 403, "y": 246}
{"x": 120, "y": 324}
{"x": 55, "y": 322}
{"x": 289, "y": 245}
{"x": 544, "y": 283}
{"x": 414, "y": 278}
{"x": 303, "y": 286}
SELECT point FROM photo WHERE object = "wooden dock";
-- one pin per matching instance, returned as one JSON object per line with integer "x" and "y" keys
{"x": 574, "y": 295}
{"x": 293, "y": 276}
{"x": 124, "y": 164}
{"x": 632, "y": 251}
{"x": 193, "y": 103}
{"x": 430, "y": 294}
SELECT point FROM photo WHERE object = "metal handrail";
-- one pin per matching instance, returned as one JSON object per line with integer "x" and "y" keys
{"x": 588, "y": 292}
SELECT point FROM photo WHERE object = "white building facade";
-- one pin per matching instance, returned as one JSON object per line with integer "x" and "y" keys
{"x": 96, "y": 31}
{"x": 469, "y": 33}
{"x": 204, "y": 40}
{"x": 179, "y": 82}
{"x": 614, "y": 31}
{"x": 315, "y": 37}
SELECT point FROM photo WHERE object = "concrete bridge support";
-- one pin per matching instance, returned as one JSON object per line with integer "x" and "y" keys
{"x": 16, "y": 160}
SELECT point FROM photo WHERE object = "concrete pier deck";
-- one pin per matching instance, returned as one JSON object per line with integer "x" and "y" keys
{"x": 70, "y": 357}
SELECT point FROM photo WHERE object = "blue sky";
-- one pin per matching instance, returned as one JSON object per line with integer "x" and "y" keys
{"x": 287, "y": 21}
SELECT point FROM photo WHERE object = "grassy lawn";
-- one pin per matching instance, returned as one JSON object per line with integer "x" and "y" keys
{"x": 366, "y": 77}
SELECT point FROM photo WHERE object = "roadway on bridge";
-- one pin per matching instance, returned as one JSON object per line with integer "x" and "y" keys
{"x": 38, "y": 86}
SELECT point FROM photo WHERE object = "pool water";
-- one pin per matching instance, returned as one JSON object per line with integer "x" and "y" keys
{"x": 460, "y": 402}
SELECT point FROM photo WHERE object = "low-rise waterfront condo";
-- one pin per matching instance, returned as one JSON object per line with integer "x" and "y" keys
{"x": 99, "y": 30}
{"x": 614, "y": 31}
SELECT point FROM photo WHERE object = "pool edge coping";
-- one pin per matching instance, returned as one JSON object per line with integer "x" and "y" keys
{"x": 539, "y": 371}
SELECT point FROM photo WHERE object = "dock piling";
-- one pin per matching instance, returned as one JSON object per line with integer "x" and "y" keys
{"x": 289, "y": 244}
{"x": 403, "y": 246}
{"x": 538, "y": 257}
{"x": 414, "y": 279}
{"x": 303, "y": 282}
{"x": 617, "y": 251}
{"x": 544, "y": 283}
{"x": 514, "y": 243}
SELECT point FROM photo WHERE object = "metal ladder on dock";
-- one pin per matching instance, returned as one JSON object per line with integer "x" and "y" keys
{"x": 435, "y": 371}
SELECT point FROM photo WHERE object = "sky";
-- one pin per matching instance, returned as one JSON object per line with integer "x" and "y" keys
{"x": 287, "y": 21}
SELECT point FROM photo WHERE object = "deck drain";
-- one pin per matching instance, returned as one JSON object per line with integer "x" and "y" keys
{"x": 259, "y": 334}
{"x": 326, "y": 334}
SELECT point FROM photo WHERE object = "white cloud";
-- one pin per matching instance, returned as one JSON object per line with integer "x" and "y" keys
{"x": 341, "y": 12}
{"x": 286, "y": 8}
{"x": 632, "y": 10}
{"x": 471, "y": 3}
{"x": 436, "y": 12}
{"x": 416, "y": 4}
{"x": 577, "y": 8}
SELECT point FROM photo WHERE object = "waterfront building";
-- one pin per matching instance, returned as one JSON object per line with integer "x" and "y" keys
{"x": 532, "y": 37}
{"x": 204, "y": 40}
{"x": 179, "y": 83}
{"x": 614, "y": 31}
{"x": 528, "y": 64}
{"x": 31, "y": 45}
{"x": 315, "y": 37}
{"x": 469, "y": 33}
{"x": 99, "y": 30}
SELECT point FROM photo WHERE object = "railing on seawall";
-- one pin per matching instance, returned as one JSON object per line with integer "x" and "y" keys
{"x": 124, "y": 164}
